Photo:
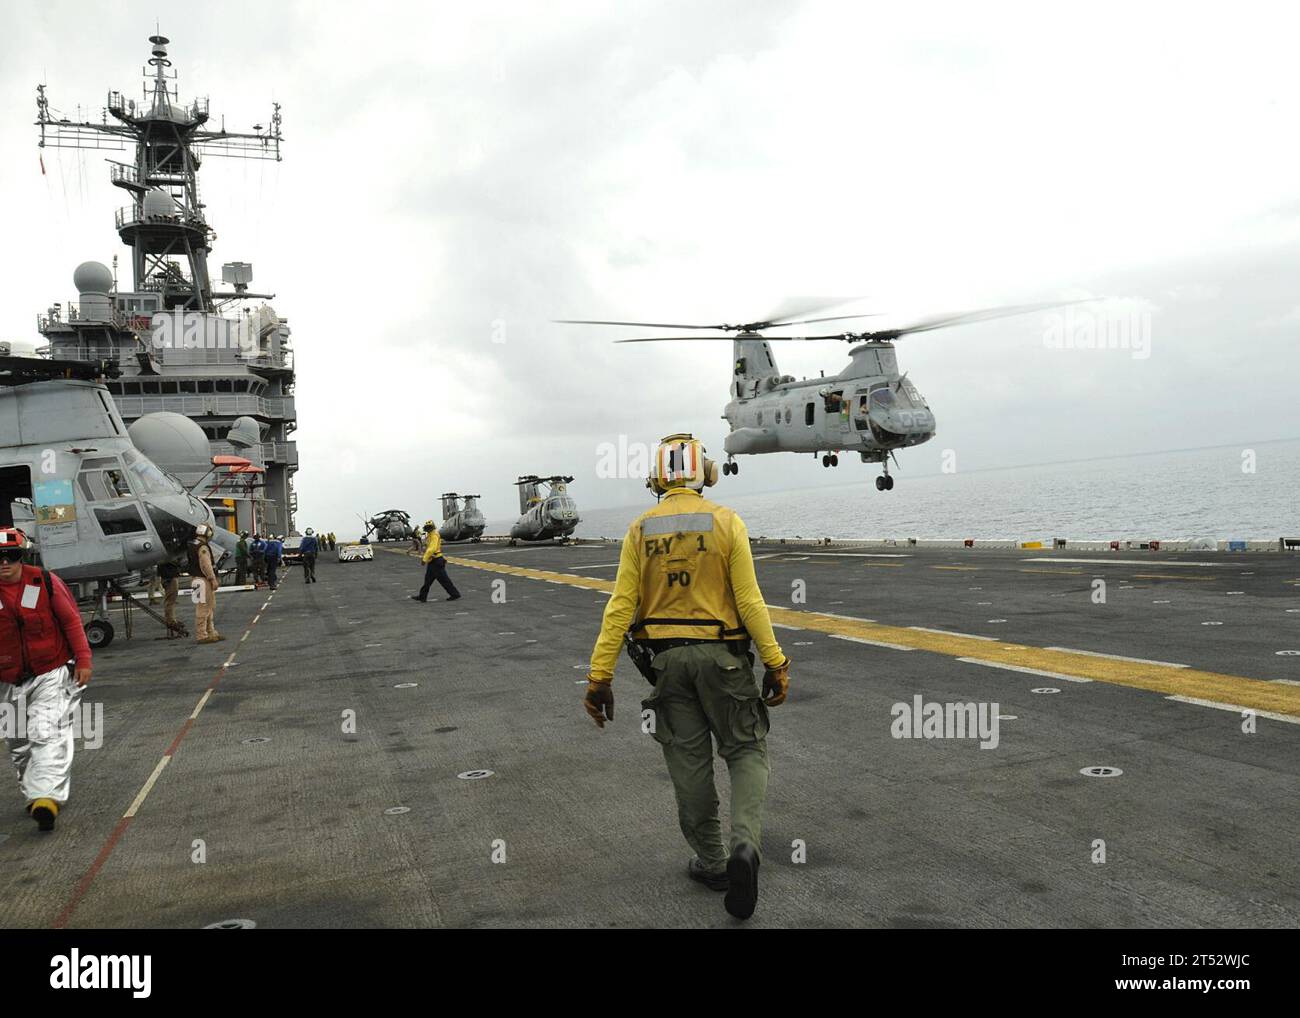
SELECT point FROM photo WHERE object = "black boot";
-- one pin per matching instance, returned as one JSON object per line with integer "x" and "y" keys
{"x": 714, "y": 880}
{"x": 742, "y": 875}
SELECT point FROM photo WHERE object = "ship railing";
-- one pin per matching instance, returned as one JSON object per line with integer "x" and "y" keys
{"x": 124, "y": 173}
{"x": 131, "y": 215}
{"x": 220, "y": 404}
{"x": 71, "y": 312}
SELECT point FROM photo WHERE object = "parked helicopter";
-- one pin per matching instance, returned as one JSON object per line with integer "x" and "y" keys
{"x": 867, "y": 408}
{"x": 390, "y": 525}
{"x": 96, "y": 508}
{"x": 461, "y": 523}
{"x": 549, "y": 512}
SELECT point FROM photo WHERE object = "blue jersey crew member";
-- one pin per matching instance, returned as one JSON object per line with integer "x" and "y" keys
{"x": 686, "y": 593}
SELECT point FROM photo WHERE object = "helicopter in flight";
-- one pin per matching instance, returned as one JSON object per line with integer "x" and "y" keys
{"x": 96, "y": 508}
{"x": 548, "y": 510}
{"x": 868, "y": 407}
{"x": 461, "y": 522}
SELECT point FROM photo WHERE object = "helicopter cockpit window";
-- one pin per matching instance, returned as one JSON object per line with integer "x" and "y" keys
{"x": 103, "y": 485}
{"x": 148, "y": 478}
{"x": 116, "y": 520}
{"x": 883, "y": 398}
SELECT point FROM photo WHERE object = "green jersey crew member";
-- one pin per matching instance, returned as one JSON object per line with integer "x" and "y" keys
{"x": 686, "y": 591}
{"x": 40, "y": 633}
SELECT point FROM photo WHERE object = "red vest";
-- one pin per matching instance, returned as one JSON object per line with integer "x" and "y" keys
{"x": 31, "y": 639}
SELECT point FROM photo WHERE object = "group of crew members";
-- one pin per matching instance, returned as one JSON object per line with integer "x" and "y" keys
{"x": 686, "y": 602}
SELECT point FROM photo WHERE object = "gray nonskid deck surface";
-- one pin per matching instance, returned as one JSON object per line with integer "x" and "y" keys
{"x": 1199, "y": 830}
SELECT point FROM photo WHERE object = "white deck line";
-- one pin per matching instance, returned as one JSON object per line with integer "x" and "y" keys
{"x": 870, "y": 643}
{"x": 949, "y": 632}
{"x": 1021, "y": 668}
{"x": 1237, "y": 708}
{"x": 1118, "y": 657}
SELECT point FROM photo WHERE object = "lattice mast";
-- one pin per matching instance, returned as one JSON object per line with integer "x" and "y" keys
{"x": 164, "y": 225}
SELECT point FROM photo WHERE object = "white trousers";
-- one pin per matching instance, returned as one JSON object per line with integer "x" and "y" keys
{"x": 39, "y": 724}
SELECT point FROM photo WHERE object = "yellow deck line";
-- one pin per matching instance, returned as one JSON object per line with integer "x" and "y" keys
{"x": 1256, "y": 694}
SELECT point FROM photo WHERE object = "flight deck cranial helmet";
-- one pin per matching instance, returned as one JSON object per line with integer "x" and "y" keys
{"x": 310, "y": 531}
{"x": 428, "y": 525}
{"x": 13, "y": 544}
{"x": 679, "y": 462}
{"x": 202, "y": 532}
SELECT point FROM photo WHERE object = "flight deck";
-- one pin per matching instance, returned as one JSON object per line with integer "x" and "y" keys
{"x": 350, "y": 758}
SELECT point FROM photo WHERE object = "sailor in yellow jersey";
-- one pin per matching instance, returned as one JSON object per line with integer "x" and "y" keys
{"x": 435, "y": 566}
{"x": 687, "y": 594}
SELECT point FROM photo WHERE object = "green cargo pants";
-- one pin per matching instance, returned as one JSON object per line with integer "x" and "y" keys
{"x": 705, "y": 693}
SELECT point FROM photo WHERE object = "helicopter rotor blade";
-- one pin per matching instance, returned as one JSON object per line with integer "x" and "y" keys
{"x": 948, "y": 319}
{"x": 723, "y": 339}
{"x": 681, "y": 339}
{"x": 801, "y": 307}
{"x": 642, "y": 325}
{"x": 809, "y": 321}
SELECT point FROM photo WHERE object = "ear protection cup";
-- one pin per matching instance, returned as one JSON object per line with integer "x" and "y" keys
{"x": 710, "y": 473}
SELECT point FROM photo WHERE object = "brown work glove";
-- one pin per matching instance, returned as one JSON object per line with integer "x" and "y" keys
{"x": 599, "y": 701}
{"x": 776, "y": 683}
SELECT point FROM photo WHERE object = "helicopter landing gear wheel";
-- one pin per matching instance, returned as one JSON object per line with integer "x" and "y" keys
{"x": 889, "y": 483}
{"x": 835, "y": 459}
{"x": 826, "y": 460}
{"x": 880, "y": 484}
{"x": 731, "y": 467}
{"x": 99, "y": 633}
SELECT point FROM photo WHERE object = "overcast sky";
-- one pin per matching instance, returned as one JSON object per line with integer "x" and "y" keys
{"x": 460, "y": 174}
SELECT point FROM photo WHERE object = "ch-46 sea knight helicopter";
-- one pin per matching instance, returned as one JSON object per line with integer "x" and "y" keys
{"x": 868, "y": 408}
{"x": 96, "y": 508}
{"x": 548, "y": 509}
{"x": 461, "y": 522}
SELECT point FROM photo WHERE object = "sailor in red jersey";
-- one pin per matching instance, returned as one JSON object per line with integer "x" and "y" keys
{"x": 40, "y": 636}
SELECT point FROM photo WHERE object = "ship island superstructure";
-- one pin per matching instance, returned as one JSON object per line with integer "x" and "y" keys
{"x": 221, "y": 357}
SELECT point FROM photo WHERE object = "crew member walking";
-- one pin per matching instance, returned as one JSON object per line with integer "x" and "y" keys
{"x": 687, "y": 595}
{"x": 435, "y": 566}
{"x": 308, "y": 549}
{"x": 205, "y": 588}
{"x": 40, "y": 633}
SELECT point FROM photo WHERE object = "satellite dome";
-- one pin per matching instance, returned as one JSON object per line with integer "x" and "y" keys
{"x": 92, "y": 277}
{"x": 244, "y": 433}
{"x": 174, "y": 442}
{"x": 158, "y": 202}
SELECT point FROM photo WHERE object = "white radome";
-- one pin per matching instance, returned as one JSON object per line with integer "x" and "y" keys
{"x": 92, "y": 277}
